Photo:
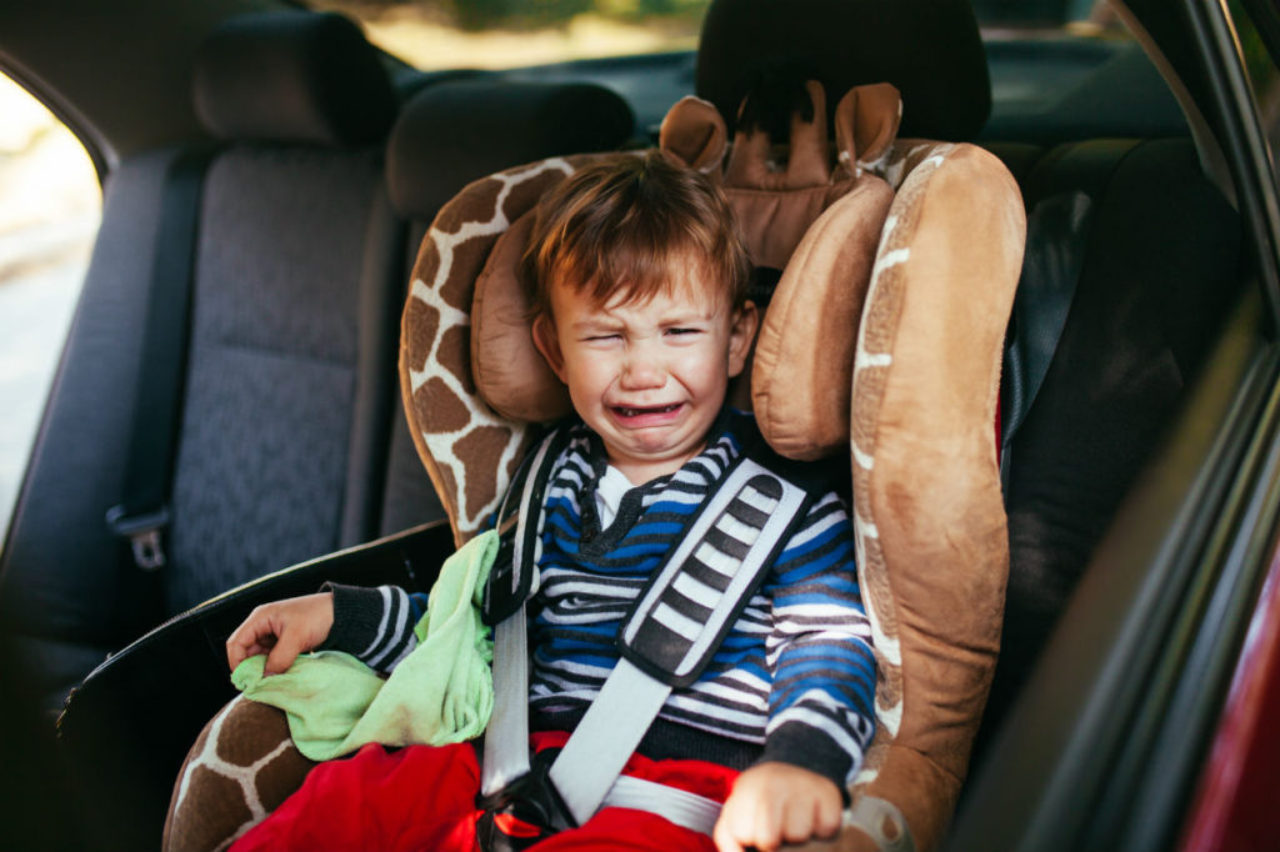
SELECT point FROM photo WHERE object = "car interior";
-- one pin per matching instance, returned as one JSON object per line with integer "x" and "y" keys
{"x": 230, "y": 376}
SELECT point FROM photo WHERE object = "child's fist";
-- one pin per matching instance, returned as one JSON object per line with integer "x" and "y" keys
{"x": 776, "y": 803}
{"x": 282, "y": 630}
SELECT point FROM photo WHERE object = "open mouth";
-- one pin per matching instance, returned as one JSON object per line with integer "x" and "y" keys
{"x": 628, "y": 411}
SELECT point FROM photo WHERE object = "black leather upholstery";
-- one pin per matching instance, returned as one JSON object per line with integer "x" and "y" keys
{"x": 929, "y": 49}
{"x": 293, "y": 77}
{"x": 1160, "y": 269}
{"x": 482, "y": 126}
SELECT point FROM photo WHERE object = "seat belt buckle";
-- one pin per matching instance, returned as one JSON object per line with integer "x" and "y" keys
{"x": 526, "y": 811}
{"x": 143, "y": 532}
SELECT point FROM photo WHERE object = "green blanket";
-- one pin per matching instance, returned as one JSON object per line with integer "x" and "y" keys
{"x": 441, "y": 693}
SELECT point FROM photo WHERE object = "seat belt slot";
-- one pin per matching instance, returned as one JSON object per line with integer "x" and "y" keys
{"x": 675, "y": 627}
{"x": 666, "y": 641}
{"x": 143, "y": 532}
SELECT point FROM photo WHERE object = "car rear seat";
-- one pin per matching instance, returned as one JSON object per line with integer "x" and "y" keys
{"x": 298, "y": 279}
{"x": 289, "y": 262}
{"x": 1159, "y": 269}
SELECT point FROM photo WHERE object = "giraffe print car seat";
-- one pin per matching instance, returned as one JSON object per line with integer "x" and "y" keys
{"x": 881, "y": 344}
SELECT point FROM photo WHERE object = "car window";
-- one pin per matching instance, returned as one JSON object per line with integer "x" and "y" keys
{"x": 517, "y": 33}
{"x": 50, "y": 206}
{"x": 1257, "y": 29}
{"x": 437, "y": 34}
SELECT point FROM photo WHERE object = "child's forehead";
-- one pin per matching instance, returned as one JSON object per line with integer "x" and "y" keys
{"x": 687, "y": 293}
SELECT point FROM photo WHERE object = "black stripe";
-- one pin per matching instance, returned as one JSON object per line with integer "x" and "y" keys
{"x": 694, "y": 567}
{"x": 748, "y": 514}
{"x": 766, "y": 485}
{"x": 685, "y": 606}
{"x": 727, "y": 544}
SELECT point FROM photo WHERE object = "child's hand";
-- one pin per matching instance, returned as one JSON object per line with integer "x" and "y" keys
{"x": 773, "y": 803}
{"x": 282, "y": 630}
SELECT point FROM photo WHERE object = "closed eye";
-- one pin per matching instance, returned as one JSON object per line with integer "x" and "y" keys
{"x": 682, "y": 331}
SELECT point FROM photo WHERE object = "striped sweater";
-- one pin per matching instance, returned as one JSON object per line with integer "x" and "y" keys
{"x": 793, "y": 680}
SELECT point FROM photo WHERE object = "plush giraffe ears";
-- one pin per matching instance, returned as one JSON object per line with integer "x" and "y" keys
{"x": 694, "y": 134}
{"x": 867, "y": 120}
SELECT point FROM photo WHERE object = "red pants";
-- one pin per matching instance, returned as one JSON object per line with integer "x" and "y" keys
{"x": 423, "y": 798}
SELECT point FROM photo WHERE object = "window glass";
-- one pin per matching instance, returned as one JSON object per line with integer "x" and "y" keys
{"x": 50, "y": 206}
{"x": 435, "y": 34}
{"x": 1259, "y": 45}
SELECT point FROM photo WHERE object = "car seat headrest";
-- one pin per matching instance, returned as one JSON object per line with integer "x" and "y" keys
{"x": 481, "y": 126}
{"x": 801, "y": 394}
{"x": 930, "y": 50}
{"x": 293, "y": 77}
{"x": 474, "y": 381}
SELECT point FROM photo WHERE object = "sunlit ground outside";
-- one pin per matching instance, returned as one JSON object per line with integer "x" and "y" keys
{"x": 50, "y": 206}
{"x": 427, "y": 35}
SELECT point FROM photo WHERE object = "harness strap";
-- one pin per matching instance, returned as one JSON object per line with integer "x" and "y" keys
{"x": 666, "y": 641}
{"x": 677, "y": 624}
{"x": 506, "y": 742}
{"x": 689, "y": 810}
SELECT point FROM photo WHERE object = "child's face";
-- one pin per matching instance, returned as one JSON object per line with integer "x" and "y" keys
{"x": 648, "y": 376}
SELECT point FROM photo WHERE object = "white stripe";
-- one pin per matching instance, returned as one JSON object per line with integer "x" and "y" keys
{"x": 720, "y": 692}
{"x": 826, "y": 724}
{"x": 673, "y": 496}
{"x": 385, "y": 591}
{"x": 565, "y": 665}
{"x": 695, "y": 590}
{"x": 676, "y": 621}
{"x": 817, "y": 528}
{"x": 737, "y": 530}
{"x": 398, "y": 631}
{"x": 890, "y": 717}
{"x": 863, "y": 360}
{"x": 758, "y": 500}
{"x": 719, "y": 562}
{"x": 888, "y": 259}
{"x": 694, "y": 704}
{"x": 563, "y": 583}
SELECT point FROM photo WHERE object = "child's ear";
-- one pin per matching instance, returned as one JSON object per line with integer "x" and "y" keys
{"x": 548, "y": 343}
{"x": 742, "y": 333}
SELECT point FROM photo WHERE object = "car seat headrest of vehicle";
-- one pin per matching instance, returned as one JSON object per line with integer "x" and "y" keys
{"x": 483, "y": 126}
{"x": 930, "y": 50}
{"x": 293, "y": 77}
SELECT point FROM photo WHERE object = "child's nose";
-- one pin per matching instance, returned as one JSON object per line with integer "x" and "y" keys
{"x": 641, "y": 371}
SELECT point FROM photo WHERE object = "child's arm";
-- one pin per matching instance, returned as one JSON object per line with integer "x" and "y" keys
{"x": 821, "y": 714}
{"x": 776, "y": 803}
{"x": 282, "y": 630}
{"x": 375, "y": 625}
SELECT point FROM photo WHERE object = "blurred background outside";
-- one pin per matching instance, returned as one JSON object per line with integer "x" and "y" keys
{"x": 50, "y": 200}
{"x": 49, "y": 209}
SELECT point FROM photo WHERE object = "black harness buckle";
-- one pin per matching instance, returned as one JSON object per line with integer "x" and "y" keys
{"x": 526, "y": 811}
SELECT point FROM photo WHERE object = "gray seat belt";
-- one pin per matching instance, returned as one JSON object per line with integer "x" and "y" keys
{"x": 506, "y": 740}
{"x": 666, "y": 641}
{"x": 1056, "y": 233}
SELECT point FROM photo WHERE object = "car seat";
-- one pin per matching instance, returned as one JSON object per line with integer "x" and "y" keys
{"x": 903, "y": 323}
{"x": 286, "y": 288}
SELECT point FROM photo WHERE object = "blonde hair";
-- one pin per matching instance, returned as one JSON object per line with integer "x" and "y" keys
{"x": 619, "y": 226}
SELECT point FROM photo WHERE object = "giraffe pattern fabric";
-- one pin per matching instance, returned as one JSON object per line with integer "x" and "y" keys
{"x": 241, "y": 767}
{"x": 470, "y": 451}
